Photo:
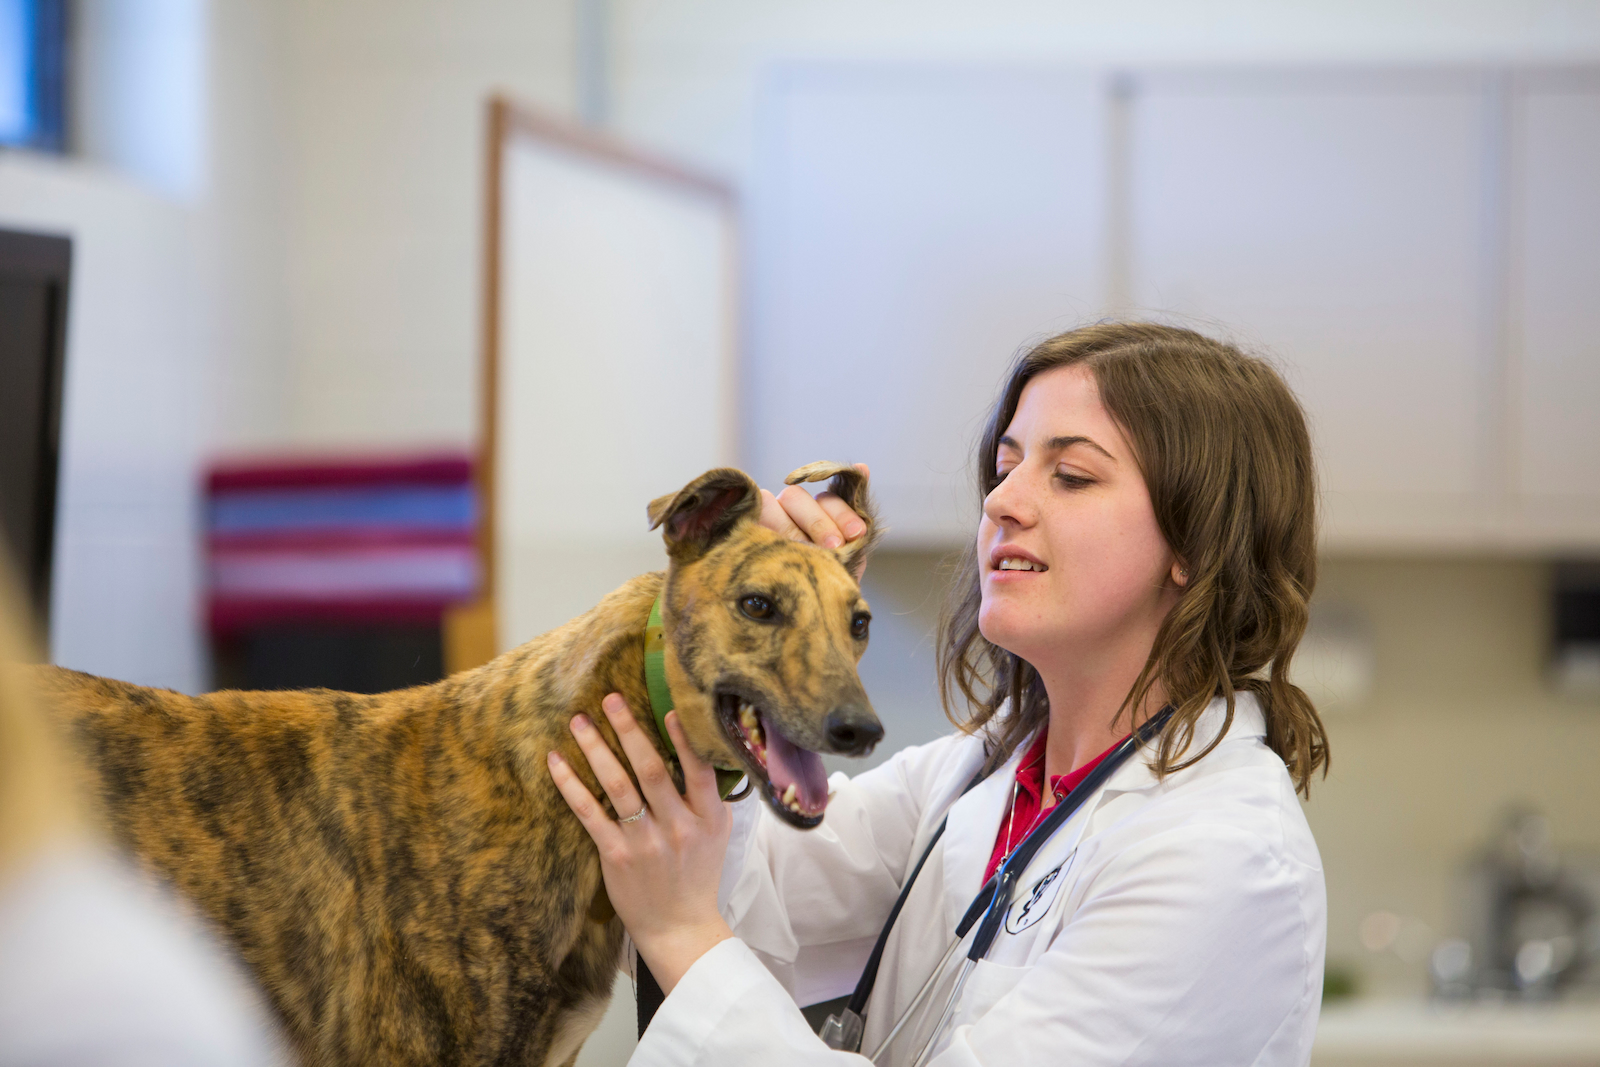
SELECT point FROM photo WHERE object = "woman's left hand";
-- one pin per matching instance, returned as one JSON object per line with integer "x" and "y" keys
{"x": 661, "y": 871}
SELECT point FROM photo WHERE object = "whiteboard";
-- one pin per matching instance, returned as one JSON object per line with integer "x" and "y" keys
{"x": 614, "y": 333}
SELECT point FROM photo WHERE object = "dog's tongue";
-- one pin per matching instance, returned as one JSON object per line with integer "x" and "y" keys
{"x": 788, "y": 764}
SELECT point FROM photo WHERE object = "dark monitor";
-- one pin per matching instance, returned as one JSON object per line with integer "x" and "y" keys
{"x": 34, "y": 269}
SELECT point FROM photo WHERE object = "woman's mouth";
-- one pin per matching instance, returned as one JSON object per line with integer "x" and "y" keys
{"x": 1011, "y": 563}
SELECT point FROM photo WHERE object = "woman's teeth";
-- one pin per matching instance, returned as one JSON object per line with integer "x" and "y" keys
{"x": 1012, "y": 563}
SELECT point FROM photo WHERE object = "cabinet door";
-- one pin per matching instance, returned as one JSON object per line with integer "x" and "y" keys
{"x": 914, "y": 229}
{"x": 1335, "y": 222}
{"x": 1555, "y": 321}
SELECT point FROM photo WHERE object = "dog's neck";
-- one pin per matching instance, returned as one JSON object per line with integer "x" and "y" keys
{"x": 530, "y": 694}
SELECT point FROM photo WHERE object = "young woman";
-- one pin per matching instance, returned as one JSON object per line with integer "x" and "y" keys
{"x": 1147, "y": 542}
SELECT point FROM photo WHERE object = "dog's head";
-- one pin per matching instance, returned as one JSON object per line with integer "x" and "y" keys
{"x": 763, "y": 635}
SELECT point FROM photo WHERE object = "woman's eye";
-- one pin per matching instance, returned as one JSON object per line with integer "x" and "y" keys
{"x": 1073, "y": 481}
{"x": 757, "y": 607}
{"x": 859, "y": 624}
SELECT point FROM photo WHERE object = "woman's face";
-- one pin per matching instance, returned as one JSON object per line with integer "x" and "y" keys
{"x": 1073, "y": 511}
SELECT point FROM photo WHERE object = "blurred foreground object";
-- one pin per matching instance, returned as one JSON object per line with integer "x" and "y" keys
{"x": 337, "y": 573}
{"x": 97, "y": 965}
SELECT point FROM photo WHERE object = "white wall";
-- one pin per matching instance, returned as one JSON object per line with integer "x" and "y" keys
{"x": 243, "y": 203}
{"x": 386, "y": 113}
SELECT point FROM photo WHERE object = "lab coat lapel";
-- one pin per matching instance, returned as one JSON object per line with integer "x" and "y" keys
{"x": 975, "y": 822}
{"x": 969, "y": 837}
{"x": 1133, "y": 775}
{"x": 1248, "y": 722}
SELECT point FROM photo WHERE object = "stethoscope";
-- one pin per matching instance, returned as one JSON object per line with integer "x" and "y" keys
{"x": 987, "y": 912}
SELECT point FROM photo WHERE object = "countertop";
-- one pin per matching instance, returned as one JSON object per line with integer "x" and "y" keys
{"x": 1390, "y": 1033}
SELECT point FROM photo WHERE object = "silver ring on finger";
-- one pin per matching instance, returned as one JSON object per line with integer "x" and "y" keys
{"x": 636, "y": 816}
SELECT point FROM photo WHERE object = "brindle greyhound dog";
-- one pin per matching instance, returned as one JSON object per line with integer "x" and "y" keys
{"x": 399, "y": 871}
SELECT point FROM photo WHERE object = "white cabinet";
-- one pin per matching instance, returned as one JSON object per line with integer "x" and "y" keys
{"x": 913, "y": 229}
{"x": 1418, "y": 250}
{"x": 1337, "y": 224}
{"x": 1554, "y": 350}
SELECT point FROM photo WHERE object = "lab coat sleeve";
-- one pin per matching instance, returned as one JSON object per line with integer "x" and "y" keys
{"x": 1200, "y": 945}
{"x": 809, "y": 903}
{"x": 729, "y": 1009}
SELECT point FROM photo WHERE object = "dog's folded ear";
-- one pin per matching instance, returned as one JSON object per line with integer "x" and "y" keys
{"x": 850, "y": 486}
{"x": 704, "y": 511}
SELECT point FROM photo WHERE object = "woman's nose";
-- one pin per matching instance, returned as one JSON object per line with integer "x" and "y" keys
{"x": 1008, "y": 503}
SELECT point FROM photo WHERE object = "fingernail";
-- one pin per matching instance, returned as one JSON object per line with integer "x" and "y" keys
{"x": 831, "y": 541}
{"x": 581, "y": 722}
{"x": 855, "y": 530}
{"x": 554, "y": 759}
{"x": 613, "y": 704}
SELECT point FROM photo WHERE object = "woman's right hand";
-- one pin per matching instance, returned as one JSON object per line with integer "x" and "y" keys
{"x": 823, "y": 520}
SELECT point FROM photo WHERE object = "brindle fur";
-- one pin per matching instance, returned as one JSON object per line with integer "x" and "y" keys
{"x": 398, "y": 870}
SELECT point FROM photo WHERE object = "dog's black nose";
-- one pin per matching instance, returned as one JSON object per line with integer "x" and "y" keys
{"x": 852, "y": 731}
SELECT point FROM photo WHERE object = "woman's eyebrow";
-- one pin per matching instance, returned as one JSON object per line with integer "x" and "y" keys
{"x": 1058, "y": 444}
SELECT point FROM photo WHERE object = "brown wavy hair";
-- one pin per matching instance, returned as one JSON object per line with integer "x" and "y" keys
{"x": 1224, "y": 450}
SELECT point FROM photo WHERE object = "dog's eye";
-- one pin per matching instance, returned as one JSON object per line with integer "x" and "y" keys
{"x": 858, "y": 625}
{"x": 756, "y": 607}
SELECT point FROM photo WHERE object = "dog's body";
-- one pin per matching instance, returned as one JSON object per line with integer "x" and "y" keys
{"x": 399, "y": 871}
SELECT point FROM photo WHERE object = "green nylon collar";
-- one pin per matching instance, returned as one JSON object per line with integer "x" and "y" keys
{"x": 655, "y": 680}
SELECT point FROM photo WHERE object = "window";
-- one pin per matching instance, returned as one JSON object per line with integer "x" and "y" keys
{"x": 33, "y": 73}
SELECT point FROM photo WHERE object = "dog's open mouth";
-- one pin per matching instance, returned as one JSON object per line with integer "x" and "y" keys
{"x": 792, "y": 778}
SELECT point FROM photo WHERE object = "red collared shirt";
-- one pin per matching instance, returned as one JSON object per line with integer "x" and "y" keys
{"x": 1025, "y": 811}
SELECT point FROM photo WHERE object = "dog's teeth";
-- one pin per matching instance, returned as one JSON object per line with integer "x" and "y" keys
{"x": 750, "y": 719}
{"x": 788, "y": 797}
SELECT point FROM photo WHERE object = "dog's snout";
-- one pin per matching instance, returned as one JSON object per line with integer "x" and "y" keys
{"x": 853, "y": 731}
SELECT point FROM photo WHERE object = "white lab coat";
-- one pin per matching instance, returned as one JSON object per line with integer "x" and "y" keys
{"x": 1175, "y": 921}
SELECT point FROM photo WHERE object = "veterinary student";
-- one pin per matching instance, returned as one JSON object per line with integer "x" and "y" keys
{"x": 98, "y": 967}
{"x": 1147, "y": 540}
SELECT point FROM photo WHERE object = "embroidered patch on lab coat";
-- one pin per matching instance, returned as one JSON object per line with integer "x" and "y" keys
{"x": 1030, "y": 907}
